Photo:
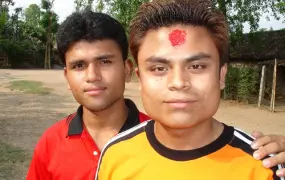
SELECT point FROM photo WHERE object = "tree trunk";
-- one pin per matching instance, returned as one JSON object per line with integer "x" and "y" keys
{"x": 48, "y": 44}
{"x": 46, "y": 56}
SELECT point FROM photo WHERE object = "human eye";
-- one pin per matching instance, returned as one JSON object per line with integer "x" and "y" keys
{"x": 105, "y": 61}
{"x": 78, "y": 66}
{"x": 197, "y": 66}
{"x": 158, "y": 70}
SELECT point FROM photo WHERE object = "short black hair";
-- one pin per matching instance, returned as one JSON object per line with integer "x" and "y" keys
{"x": 164, "y": 13}
{"x": 90, "y": 26}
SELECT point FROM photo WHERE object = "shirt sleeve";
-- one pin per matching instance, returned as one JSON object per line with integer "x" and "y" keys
{"x": 38, "y": 169}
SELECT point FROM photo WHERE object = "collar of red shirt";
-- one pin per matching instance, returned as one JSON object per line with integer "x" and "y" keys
{"x": 76, "y": 121}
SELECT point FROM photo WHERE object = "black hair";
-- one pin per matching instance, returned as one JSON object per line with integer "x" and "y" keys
{"x": 90, "y": 26}
{"x": 164, "y": 13}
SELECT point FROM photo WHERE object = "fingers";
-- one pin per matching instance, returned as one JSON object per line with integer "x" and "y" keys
{"x": 257, "y": 134}
{"x": 274, "y": 161}
{"x": 266, "y": 140}
{"x": 281, "y": 172}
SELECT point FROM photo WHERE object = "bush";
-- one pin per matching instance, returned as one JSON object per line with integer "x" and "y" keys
{"x": 241, "y": 83}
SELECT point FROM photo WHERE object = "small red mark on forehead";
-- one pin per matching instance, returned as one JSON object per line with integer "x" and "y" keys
{"x": 177, "y": 37}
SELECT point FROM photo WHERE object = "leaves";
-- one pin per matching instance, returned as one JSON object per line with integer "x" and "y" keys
{"x": 237, "y": 12}
{"x": 281, "y": 7}
{"x": 33, "y": 15}
{"x": 26, "y": 32}
{"x": 81, "y": 5}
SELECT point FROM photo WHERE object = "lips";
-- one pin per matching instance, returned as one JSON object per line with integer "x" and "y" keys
{"x": 93, "y": 91}
{"x": 180, "y": 103}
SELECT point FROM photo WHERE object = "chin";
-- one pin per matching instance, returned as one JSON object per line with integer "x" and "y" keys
{"x": 179, "y": 122}
{"x": 96, "y": 107}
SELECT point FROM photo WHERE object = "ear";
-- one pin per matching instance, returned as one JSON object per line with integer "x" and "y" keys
{"x": 138, "y": 77}
{"x": 128, "y": 70}
{"x": 223, "y": 73}
{"x": 65, "y": 75}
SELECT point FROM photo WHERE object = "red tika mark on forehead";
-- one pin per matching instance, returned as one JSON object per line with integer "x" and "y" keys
{"x": 177, "y": 37}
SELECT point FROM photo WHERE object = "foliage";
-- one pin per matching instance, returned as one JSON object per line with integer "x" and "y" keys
{"x": 81, "y": 5}
{"x": 241, "y": 83}
{"x": 281, "y": 7}
{"x": 27, "y": 32}
{"x": 3, "y": 20}
{"x": 237, "y": 12}
{"x": 49, "y": 23}
{"x": 4, "y": 5}
{"x": 33, "y": 15}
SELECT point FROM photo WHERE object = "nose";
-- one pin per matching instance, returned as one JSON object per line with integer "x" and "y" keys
{"x": 93, "y": 73}
{"x": 178, "y": 79}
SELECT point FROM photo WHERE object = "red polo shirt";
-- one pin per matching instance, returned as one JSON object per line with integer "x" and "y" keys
{"x": 66, "y": 151}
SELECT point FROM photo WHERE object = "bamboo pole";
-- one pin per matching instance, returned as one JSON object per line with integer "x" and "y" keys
{"x": 262, "y": 86}
{"x": 272, "y": 104}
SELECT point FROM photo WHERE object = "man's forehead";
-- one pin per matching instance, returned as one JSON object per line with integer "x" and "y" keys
{"x": 177, "y": 37}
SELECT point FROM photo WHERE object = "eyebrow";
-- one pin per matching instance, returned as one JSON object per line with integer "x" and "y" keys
{"x": 96, "y": 58}
{"x": 198, "y": 56}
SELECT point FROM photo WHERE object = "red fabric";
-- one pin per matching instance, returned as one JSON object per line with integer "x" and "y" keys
{"x": 61, "y": 157}
{"x": 143, "y": 117}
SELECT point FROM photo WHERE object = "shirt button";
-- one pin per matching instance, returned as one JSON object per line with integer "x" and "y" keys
{"x": 95, "y": 153}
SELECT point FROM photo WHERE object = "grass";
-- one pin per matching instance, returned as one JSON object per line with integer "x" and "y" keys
{"x": 10, "y": 157}
{"x": 30, "y": 87}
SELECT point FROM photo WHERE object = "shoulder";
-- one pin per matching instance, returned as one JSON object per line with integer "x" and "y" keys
{"x": 119, "y": 146}
{"x": 125, "y": 136}
{"x": 242, "y": 141}
{"x": 54, "y": 132}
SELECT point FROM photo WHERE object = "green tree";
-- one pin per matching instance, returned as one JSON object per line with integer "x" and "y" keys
{"x": 33, "y": 15}
{"x": 281, "y": 7}
{"x": 122, "y": 10}
{"x": 237, "y": 12}
{"x": 49, "y": 22}
{"x": 3, "y": 20}
{"x": 81, "y": 5}
{"x": 4, "y": 5}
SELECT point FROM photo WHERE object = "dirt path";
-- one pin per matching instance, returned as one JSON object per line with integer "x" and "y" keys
{"x": 23, "y": 117}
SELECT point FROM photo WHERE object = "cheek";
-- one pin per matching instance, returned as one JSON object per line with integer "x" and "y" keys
{"x": 206, "y": 83}
{"x": 114, "y": 78}
{"x": 75, "y": 81}
{"x": 151, "y": 86}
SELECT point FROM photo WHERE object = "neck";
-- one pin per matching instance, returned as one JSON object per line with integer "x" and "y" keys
{"x": 111, "y": 118}
{"x": 191, "y": 138}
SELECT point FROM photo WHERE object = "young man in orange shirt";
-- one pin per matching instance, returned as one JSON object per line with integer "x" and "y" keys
{"x": 181, "y": 48}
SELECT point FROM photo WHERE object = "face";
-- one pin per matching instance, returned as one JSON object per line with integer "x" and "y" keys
{"x": 180, "y": 76}
{"x": 96, "y": 73}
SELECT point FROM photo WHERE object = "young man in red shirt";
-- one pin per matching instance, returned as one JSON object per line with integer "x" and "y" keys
{"x": 94, "y": 49}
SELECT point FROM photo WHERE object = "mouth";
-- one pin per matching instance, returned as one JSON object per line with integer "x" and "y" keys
{"x": 93, "y": 91}
{"x": 180, "y": 103}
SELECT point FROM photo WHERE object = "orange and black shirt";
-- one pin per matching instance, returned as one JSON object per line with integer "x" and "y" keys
{"x": 137, "y": 155}
{"x": 66, "y": 151}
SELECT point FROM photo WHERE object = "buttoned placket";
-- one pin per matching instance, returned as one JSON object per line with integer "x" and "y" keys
{"x": 91, "y": 147}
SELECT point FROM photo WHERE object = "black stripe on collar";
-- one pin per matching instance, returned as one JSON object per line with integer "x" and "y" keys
{"x": 76, "y": 123}
{"x": 187, "y": 155}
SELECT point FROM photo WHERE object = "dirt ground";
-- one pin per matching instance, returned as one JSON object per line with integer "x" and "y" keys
{"x": 23, "y": 117}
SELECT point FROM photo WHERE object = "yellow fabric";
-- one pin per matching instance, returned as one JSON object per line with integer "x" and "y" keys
{"x": 135, "y": 159}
